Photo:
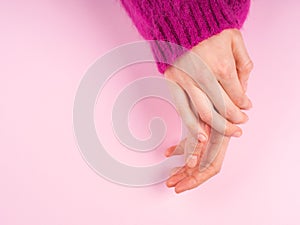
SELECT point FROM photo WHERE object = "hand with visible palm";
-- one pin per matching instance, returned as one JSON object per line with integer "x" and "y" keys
{"x": 209, "y": 157}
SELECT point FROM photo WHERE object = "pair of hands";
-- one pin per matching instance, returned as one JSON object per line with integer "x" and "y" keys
{"x": 209, "y": 95}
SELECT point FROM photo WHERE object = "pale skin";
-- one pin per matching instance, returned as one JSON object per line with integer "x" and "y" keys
{"x": 210, "y": 101}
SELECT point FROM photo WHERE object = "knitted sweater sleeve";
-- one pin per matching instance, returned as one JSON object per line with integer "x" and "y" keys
{"x": 183, "y": 22}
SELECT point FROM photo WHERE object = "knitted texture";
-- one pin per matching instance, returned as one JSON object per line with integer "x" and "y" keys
{"x": 183, "y": 22}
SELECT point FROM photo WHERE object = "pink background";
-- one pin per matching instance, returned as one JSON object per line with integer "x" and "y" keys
{"x": 47, "y": 46}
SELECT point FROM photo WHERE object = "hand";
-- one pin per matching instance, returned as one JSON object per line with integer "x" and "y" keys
{"x": 215, "y": 79}
{"x": 209, "y": 156}
{"x": 227, "y": 57}
{"x": 209, "y": 85}
{"x": 203, "y": 158}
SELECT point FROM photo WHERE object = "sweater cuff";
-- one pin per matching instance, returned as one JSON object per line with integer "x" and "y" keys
{"x": 184, "y": 23}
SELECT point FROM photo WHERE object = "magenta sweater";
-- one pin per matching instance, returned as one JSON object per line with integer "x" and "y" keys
{"x": 183, "y": 22}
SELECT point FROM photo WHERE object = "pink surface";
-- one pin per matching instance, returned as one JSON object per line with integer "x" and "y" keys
{"x": 46, "y": 47}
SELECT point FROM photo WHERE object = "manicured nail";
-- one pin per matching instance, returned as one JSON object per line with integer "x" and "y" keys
{"x": 192, "y": 161}
{"x": 237, "y": 134}
{"x": 201, "y": 137}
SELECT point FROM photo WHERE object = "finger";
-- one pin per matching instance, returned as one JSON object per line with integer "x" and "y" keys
{"x": 228, "y": 77}
{"x": 199, "y": 177}
{"x": 176, "y": 170}
{"x": 181, "y": 102}
{"x": 217, "y": 143}
{"x": 190, "y": 182}
{"x": 228, "y": 109}
{"x": 176, "y": 149}
{"x": 203, "y": 77}
{"x": 192, "y": 151}
{"x": 172, "y": 181}
{"x": 186, "y": 184}
{"x": 209, "y": 115}
{"x": 244, "y": 64}
{"x": 212, "y": 163}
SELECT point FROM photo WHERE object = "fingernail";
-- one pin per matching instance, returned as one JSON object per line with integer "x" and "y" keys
{"x": 201, "y": 137}
{"x": 192, "y": 161}
{"x": 237, "y": 134}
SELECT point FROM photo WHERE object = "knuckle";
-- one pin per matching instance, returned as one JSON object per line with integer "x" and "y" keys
{"x": 232, "y": 31}
{"x": 229, "y": 129}
{"x": 247, "y": 67}
{"x": 239, "y": 100}
{"x": 226, "y": 70}
{"x": 236, "y": 35}
{"x": 236, "y": 32}
{"x": 230, "y": 112}
{"x": 206, "y": 116}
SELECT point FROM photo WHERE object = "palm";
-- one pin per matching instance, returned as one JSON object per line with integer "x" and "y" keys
{"x": 208, "y": 165}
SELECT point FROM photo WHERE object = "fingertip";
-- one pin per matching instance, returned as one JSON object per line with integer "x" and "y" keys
{"x": 169, "y": 183}
{"x": 242, "y": 118}
{"x": 179, "y": 189}
{"x": 169, "y": 151}
{"x": 250, "y": 104}
{"x": 232, "y": 130}
{"x": 245, "y": 118}
{"x": 247, "y": 104}
{"x": 202, "y": 137}
{"x": 167, "y": 154}
{"x": 185, "y": 185}
{"x": 237, "y": 133}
